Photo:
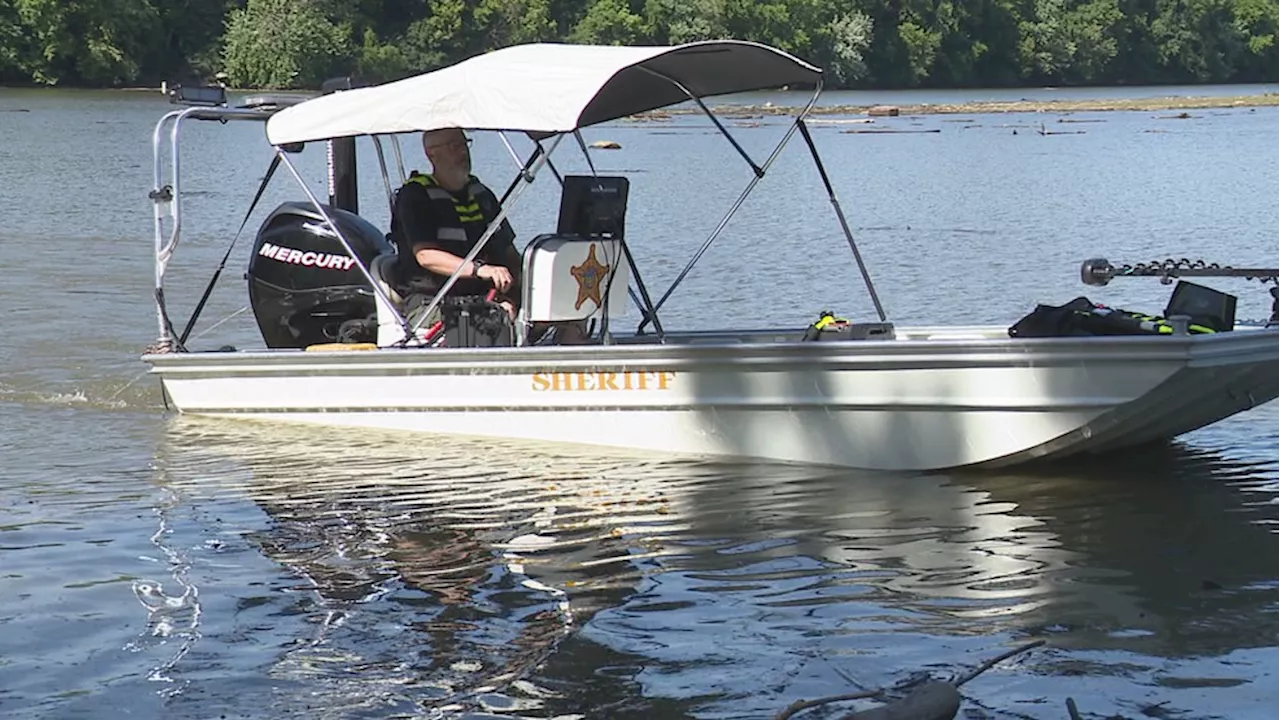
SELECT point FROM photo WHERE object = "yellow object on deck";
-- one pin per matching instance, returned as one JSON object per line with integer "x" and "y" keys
{"x": 338, "y": 347}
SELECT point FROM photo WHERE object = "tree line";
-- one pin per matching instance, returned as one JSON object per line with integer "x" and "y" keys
{"x": 860, "y": 43}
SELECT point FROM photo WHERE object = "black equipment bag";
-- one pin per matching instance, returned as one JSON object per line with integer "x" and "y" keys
{"x": 1081, "y": 317}
{"x": 473, "y": 321}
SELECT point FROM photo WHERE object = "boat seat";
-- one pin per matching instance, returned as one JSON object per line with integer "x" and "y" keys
{"x": 389, "y": 328}
{"x": 382, "y": 268}
{"x": 573, "y": 277}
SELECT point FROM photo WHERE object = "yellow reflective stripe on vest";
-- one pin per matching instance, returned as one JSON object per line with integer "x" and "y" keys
{"x": 468, "y": 211}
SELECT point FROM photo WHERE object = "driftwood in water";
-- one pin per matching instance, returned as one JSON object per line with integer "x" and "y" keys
{"x": 889, "y": 132}
{"x": 930, "y": 700}
{"x": 1045, "y": 131}
{"x": 933, "y": 700}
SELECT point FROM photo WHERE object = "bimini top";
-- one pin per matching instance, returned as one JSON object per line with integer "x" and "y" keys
{"x": 542, "y": 89}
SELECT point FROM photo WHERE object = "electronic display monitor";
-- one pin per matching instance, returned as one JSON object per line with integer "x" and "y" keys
{"x": 593, "y": 206}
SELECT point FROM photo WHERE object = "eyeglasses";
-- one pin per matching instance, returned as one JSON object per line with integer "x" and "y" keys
{"x": 464, "y": 142}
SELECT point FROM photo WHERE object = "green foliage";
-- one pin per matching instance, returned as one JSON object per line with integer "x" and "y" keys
{"x": 1063, "y": 43}
{"x": 377, "y": 61}
{"x": 859, "y": 43}
{"x": 13, "y": 50}
{"x": 98, "y": 42}
{"x": 431, "y": 41}
{"x": 850, "y": 37}
{"x": 609, "y": 22}
{"x": 283, "y": 44}
{"x": 500, "y": 23}
{"x": 682, "y": 21}
{"x": 190, "y": 36}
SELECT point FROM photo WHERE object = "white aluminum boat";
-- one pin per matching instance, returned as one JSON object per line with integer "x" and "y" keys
{"x": 870, "y": 395}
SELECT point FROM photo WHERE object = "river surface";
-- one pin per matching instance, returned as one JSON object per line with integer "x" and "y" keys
{"x": 163, "y": 567}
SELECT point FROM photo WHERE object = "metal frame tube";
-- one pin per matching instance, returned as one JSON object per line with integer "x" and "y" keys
{"x": 737, "y": 204}
{"x": 342, "y": 239}
{"x": 586, "y": 154}
{"x": 844, "y": 224}
{"x": 523, "y": 173}
{"x": 162, "y": 199}
{"x": 395, "y": 147}
{"x": 171, "y": 206}
{"x": 386, "y": 178}
{"x": 644, "y": 302}
{"x": 759, "y": 171}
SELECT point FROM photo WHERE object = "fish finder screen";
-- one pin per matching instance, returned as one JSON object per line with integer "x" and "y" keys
{"x": 593, "y": 206}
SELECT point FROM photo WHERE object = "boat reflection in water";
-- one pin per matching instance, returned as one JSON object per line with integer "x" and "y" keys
{"x": 404, "y": 575}
{"x": 525, "y": 580}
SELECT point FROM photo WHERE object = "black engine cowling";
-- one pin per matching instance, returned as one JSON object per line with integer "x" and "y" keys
{"x": 303, "y": 286}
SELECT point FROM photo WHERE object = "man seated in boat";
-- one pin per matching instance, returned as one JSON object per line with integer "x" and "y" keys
{"x": 437, "y": 219}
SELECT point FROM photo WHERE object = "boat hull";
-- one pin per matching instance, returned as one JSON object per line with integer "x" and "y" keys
{"x": 957, "y": 400}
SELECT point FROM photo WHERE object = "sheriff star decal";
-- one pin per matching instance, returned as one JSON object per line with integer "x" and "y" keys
{"x": 589, "y": 276}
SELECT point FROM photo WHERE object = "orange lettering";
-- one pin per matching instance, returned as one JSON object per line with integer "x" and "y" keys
{"x": 540, "y": 382}
{"x": 607, "y": 381}
{"x": 664, "y": 378}
{"x": 584, "y": 381}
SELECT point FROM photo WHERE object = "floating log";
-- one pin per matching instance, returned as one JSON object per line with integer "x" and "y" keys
{"x": 839, "y": 121}
{"x": 933, "y": 700}
{"x": 883, "y": 111}
{"x": 1045, "y": 131}
{"x": 888, "y": 132}
{"x": 929, "y": 700}
{"x": 606, "y": 145}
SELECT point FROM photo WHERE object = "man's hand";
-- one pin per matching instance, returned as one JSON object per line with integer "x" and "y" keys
{"x": 496, "y": 274}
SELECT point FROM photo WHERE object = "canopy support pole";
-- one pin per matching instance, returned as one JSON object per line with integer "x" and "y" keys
{"x": 166, "y": 199}
{"x": 386, "y": 178}
{"x": 395, "y": 148}
{"x": 346, "y": 245}
{"x": 164, "y": 205}
{"x": 759, "y": 171}
{"x": 844, "y": 224}
{"x": 524, "y": 173}
{"x": 737, "y": 204}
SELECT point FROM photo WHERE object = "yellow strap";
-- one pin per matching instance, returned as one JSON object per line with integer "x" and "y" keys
{"x": 339, "y": 347}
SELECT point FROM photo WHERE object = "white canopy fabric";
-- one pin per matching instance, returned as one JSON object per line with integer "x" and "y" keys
{"x": 542, "y": 89}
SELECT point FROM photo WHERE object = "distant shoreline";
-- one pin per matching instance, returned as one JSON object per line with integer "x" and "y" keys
{"x": 1180, "y": 102}
{"x": 1171, "y": 102}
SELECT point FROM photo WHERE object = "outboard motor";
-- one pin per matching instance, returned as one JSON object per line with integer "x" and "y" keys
{"x": 303, "y": 286}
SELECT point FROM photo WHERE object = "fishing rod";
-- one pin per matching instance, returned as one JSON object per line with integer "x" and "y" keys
{"x": 1099, "y": 271}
